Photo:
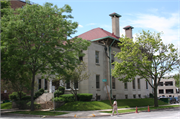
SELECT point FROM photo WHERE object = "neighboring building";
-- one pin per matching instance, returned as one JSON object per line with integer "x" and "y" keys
{"x": 98, "y": 57}
{"x": 167, "y": 88}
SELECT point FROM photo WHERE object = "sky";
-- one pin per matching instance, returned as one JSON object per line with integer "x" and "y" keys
{"x": 154, "y": 15}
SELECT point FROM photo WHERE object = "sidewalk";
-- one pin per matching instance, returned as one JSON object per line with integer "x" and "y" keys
{"x": 71, "y": 114}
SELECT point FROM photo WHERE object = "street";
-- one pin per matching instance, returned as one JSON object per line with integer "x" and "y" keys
{"x": 160, "y": 114}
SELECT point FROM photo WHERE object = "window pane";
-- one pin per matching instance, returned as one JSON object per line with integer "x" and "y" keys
{"x": 97, "y": 57}
{"x": 97, "y": 81}
{"x": 68, "y": 85}
{"x": 133, "y": 84}
{"x": 113, "y": 83}
{"x": 125, "y": 85}
{"x": 75, "y": 85}
{"x": 45, "y": 87}
{"x": 138, "y": 83}
{"x": 146, "y": 85}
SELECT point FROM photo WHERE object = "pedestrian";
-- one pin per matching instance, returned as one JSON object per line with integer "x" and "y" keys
{"x": 115, "y": 107}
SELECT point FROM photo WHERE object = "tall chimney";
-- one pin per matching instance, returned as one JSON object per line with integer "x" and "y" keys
{"x": 115, "y": 23}
{"x": 128, "y": 31}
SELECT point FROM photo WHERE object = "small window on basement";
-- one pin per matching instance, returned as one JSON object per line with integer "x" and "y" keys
{"x": 126, "y": 96}
{"x": 134, "y": 96}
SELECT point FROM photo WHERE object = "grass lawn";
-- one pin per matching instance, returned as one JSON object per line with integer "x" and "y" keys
{"x": 142, "y": 109}
{"x": 50, "y": 113}
{"x": 7, "y": 105}
{"x": 99, "y": 105}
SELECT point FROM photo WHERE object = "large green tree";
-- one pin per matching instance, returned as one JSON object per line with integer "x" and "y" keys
{"x": 4, "y": 5}
{"x": 177, "y": 80}
{"x": 147, "y": 57}
{"x": 37, "y": 37}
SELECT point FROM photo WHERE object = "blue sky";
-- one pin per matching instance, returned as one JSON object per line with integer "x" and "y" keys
{"x": 153, "y": 15}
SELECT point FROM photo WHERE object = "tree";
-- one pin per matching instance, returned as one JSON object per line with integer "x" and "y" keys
{"x": 147, "y": 57}
{"x": 74, "y": 77}
{"x": 37, "y": 36}
{"x": 5, "y": 5}
{"x": 177, "y": 80}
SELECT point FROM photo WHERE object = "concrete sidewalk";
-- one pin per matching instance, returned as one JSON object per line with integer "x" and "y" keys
{"x": 71, "y": 114}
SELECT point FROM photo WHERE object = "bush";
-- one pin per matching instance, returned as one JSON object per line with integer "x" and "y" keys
{"x": 41, "y": 90}
{"x": 59, "y": 99}
{"x": 26, "y": 98}
{"x": 36, "y": 106}
{"x": 13, "y": 96}
{"x": 68, "y": 97}
{"x": 84, "y": 97}
{"x": 61, "y": 89}
{"x": 39, "y": 93}
{"x": 57, "y": 93}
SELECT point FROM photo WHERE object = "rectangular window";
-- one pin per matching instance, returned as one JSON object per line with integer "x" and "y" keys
{"x": 113, "y": 83}
{"x": 146, "y": 85}
{"x": 126, "y": 96}
{"x": 112, "y": 58}
{"x": 97, "y": 81}
{"x": 160, "y": 84}
{"x": 68, "y": 85}
{"x": 161, "y": 91}
{"x": 39, "y": 84}
{"x": 97, "y": 57}
{"x": 114, "y": 96}
{"x": 125, "y": 85}
{"x": 169, "y": 91}
{"x": 45, "y": 84}
{"x": 80, "y": 57}
{"x": 134, "y": 96}
{"x": 133, "y": 84}
{"x": 76, "y": 85}
{"x": 169, "y": 83}
{"x": 98, "y": 97}
{"x": 138, "y": 81}
{"x": 139, "y": 95}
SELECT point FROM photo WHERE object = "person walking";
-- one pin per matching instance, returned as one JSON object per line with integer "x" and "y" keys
{"x": 115, "y": 107}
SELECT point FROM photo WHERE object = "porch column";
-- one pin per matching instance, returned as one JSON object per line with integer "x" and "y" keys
{"x": 50, "y": 86}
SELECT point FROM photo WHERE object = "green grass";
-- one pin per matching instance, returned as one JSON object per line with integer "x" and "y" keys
{"x": 99, "y": 105}
{"x": 142, "y": 109}
{"x": 50, "y": 113}
{"x": 7, "y": 105}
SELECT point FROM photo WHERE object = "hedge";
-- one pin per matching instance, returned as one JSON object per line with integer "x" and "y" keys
{"x": 68, "y": 97}
{"x": 84, "y": 97}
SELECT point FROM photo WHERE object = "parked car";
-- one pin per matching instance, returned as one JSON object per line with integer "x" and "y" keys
{"x": 174, "y": 100}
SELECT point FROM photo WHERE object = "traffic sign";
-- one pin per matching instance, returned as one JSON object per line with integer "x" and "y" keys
{"x": 104, "y": 80}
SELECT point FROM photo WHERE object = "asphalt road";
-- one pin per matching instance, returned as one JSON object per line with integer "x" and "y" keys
{"x": 160, "y": 114}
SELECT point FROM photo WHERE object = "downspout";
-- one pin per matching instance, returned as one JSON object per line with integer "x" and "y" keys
{"x": 110, "y": 68}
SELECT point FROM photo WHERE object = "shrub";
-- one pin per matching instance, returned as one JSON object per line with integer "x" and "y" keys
{"x": 61, "y": 89}
{"x": 36, "y": 106}
{"x": 57, "y": 93}
{"x": 68, "y": 97}
{"x": 59, "y": 99}
{"x": 41, "y": 90}
{"x": 39, "y": 93}
{"x": 84, "y": 97}
{"x": 13, "y": 96}
{"x": 26, "y": 98}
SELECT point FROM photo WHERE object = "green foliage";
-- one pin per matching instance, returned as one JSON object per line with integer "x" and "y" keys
{"x": 57, "y": 93}
{"x": 59, "y": 99}
{"x": 41, "y": 90}
{"x": 35, "y": 40}
{"x": 38, "y": 93}
{"x": 16, "y": 96}
{"x": 26, "y": 98}
{"x": 84, "y": 97}
{"x": 37, "y": 106}
{"x": 7, "y": 105}
{"x": 68, "y": 97}
{"x": 177, "y": 80}
{"x": 5, "y": 4}
{"x": 61, "y": 89}
{"x": 147, "y": 57}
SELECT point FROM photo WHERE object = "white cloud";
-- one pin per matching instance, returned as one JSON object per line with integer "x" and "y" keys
{"x": 80, "y": 26}
{"x": 90, "y": 24}
{"x": 169, "y": 26}
{"x": 153, "y": 10}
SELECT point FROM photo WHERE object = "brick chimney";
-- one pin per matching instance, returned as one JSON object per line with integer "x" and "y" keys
{"x": 128, "y": 31}
{"x": 115, "y": 23}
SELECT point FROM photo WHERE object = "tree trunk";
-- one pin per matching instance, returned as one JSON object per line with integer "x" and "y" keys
{"x": 32, "y": 92}
{"x": 155, "y": 97}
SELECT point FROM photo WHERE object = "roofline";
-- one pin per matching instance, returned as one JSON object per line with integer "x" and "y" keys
{"x": 105, "y": 38}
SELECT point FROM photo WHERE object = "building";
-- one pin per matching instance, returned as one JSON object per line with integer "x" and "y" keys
{"x": 98, "y": 58}
{"x": 167, "y": 88}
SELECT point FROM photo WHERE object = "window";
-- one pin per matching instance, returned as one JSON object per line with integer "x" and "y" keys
{"x": 138, "y": 83}
{"x": 169, "y": 90}
{"x": 45, "y": 84}
{"x": 76, "y": 85}
{"x": 39, "y": 84}
{"x": 97, "y": 57}
{"x": 126, "y": 96}
{"x": 97, "y": 81}
{"x": 80, "y": 57}
{"x": 112, "y": 58}
{"x": 125, "y": 86}
{"x": 139, "y": 95}
{"x": 160, "y": 84}
{"x": 134, "y": 96}
{"x": 98, "y": 97}
{"x": 161, "y": 91}
{"x": 113, "y": 83}
{"x": 146, "y": 85}
{"x": 68, "y": 85}
{"x": 114, "y": 96}
{"x": 133, "y": 84}
{"x": 170, "y": 96}
{"x": 169, "y": 83}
